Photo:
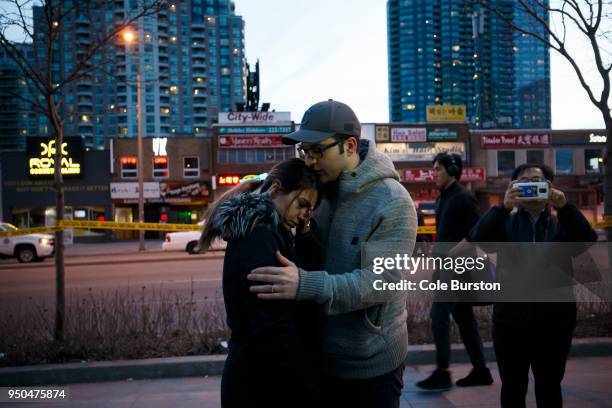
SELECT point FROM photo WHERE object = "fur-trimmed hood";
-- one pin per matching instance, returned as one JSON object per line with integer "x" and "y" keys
{"x": 239, "y": 215}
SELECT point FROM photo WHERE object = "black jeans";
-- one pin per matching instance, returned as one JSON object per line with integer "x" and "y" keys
{"x": 378, "y": 392}
{"x": 542, "y": 347}
{"x": 468, "y": 328}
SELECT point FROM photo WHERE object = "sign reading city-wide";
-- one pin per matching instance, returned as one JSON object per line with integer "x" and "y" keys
{"x": 254, "y": 118}
{"x": 250, "y": 141}
{"x": 41, "y": 153}
{"x": 420, "y": 151}
{"x": 426, "y": 175}
{"x": 514, "y": 140}
{"x": 445, "y": 113}
{"x": 404, "y": 134}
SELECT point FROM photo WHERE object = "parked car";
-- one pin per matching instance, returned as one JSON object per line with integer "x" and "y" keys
{"x": 188, "y": 241}
{"x": 26, "y": 248}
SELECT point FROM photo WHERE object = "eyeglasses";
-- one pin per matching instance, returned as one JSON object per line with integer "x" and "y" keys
{"x": 316, "y": 152}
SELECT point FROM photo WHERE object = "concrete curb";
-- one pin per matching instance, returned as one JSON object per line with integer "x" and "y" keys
{"x": 176, "y": 367}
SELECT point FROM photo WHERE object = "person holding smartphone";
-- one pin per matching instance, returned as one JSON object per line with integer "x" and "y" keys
{"x": 529, "y": 334}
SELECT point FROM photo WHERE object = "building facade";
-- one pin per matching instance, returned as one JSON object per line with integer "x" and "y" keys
{"x": 29, "y": 196}
{"x": 575, "y": 156}
{"x": 190, "y": 57}
{"x": 454, "y": 53}
{"x": 17, "y": 119}
{"x": 248, "y": 143}
{"x": 177, "y": 181}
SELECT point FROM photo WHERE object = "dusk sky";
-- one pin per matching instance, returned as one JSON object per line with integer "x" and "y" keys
{"x": 312, "y": 50}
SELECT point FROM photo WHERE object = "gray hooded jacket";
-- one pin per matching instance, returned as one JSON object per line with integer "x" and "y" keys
{"x": 363, "y": 333}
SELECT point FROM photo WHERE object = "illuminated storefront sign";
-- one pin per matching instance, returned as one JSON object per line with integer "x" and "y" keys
{"x": 41, "y": 153}
{"x": 420, "y": 151}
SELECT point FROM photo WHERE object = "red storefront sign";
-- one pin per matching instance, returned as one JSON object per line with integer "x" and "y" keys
{"x": 251, "y": 141}
{"x": 508, "y": 140}
{"x": 418, "y": 175}
{"x": 426, "y": 175}
{"x": 473, "y": 174}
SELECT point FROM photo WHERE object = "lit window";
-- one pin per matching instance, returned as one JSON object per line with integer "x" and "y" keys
{"x": 129, "y": 167}
{"x": 160, "y": 167}
{"x": 191, "y": 167}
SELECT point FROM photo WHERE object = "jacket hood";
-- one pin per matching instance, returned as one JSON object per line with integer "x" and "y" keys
{"x": 374, "y": 166}
{"x": 239, "y": 215}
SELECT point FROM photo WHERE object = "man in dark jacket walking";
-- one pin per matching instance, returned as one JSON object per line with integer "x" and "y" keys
{"x": 456, "y": 214}
{"x": 529, "y": 334}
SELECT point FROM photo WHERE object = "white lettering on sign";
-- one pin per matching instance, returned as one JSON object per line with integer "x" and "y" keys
{"x": 159, "y": 146}
{"x": 408, "y": 134}
{"x": 593, "y": 138}
{"x": 254, "y": 117}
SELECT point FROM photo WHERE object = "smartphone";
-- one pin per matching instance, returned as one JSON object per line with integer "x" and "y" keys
{"x": 532, "y": 191}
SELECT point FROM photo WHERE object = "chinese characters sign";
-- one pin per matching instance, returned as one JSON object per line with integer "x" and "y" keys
{"x": 446, "y": 113}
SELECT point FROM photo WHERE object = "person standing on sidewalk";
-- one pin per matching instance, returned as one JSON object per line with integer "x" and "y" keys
{"x": 271, "y": 342}
{"x": 364, "y": 339}
{"x": 536, "y": 334}
{"x": 456, "y": 214}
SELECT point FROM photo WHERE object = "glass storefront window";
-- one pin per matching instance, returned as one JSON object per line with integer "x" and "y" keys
{"x": 535, "y": 156}
{"x": 593, "y": 161}
{"x": 564, "y": 161}
{"x": 505, "y": 162}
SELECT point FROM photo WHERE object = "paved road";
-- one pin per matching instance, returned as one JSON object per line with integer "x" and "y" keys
{"x": 104, "y": 274}
{"x": 587, "y": 384}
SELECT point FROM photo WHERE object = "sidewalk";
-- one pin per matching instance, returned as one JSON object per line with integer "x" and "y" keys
{"x": 587, "y": 383}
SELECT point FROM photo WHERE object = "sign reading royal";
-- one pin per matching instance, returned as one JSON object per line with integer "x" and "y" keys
{"x": 42, "y": 151}
{"x": 254, "y": 118}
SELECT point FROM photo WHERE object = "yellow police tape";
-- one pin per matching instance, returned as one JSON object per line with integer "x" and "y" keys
{"x": 28, "y": 231}
{"x": 153, "y": 226}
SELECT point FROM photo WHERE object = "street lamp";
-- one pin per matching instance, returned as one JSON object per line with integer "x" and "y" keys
{"x": 130, "y": 38}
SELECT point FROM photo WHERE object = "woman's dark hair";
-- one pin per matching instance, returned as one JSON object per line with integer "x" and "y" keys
{"x": 546, "y": 171}
{"x": 292, "y": 174}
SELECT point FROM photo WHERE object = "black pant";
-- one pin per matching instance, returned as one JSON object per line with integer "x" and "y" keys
{"x": 378, "y": 392}
{"x": 468, "y": 328}
{"x": 543, "y": 347}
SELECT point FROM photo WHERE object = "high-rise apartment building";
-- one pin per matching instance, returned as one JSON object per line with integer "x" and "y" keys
{"x": 453, "y": 52}
{"x": 190, "y": 57}
{"x": 17, "y": 119}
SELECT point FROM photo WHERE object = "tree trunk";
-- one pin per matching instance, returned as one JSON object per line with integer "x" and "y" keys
{"x": 59, "y": 234}
{"x": 607, "y": 181}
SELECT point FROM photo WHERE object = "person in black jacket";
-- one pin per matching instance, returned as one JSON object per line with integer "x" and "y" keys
{"x": 271, "y": 342}
{"x": 532, "y": 334}
{"x": 456, "y": 214}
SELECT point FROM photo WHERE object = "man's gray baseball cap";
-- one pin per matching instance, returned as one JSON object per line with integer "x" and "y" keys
{"x": 323, "y": 120}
